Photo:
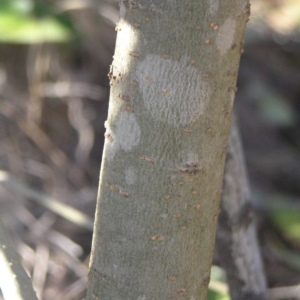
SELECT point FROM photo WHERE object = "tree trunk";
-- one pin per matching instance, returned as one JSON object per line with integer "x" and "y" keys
{"x": 236, "y": 235}
{"x": 173, "y": 82}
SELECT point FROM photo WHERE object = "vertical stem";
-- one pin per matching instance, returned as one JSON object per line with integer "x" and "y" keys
{"x": 236, "y": 235}
{"x": 172, "y": 87}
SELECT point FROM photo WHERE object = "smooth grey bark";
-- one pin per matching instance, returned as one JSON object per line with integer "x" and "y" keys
{"x": 173, "y": 81}
{"x": 14, "y": 281}
{"x": 236, "y": 234}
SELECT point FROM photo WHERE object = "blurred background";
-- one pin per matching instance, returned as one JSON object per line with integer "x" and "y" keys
{"x": 54, "y": 89}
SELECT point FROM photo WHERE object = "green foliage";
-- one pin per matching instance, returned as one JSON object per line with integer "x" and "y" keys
{"x": 23, "y": 21}
{"x": 214, "y": 295}
{"x": 276, "y": 110}
{"x": 218, "y": 289}
{"x": 285, "y": 215}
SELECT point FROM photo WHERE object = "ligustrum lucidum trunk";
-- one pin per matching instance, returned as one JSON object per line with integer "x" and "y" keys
{"x": 173, "y": 80}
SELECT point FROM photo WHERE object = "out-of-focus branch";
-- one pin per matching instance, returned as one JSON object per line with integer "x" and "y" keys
{"x": 14, "y": 281}
{"x": 69, "y": 213}
{"x": 67, "y": 89}
{"x": 286, "y": 292}
{"x": 236, "y": 236}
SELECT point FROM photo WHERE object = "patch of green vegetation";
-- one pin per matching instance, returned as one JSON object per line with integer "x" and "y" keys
{"x": 23, "y": 21}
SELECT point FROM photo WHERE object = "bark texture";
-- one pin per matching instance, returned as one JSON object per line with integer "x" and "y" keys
{"x": 173, "y": 82}
{"x": 236, "y": 235}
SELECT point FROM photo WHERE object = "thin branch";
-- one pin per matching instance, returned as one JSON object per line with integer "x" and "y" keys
{"x": 236, "y": 236}
{"x": 14, "y": 281}
{"x": 69, "y": 213}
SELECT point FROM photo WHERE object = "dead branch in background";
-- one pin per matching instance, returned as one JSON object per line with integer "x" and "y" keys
{"x": 15, "y": 283}
{"x": 236, "y": 235}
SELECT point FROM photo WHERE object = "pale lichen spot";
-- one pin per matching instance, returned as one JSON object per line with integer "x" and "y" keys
{"x": 190, "y": 158}
{"x": 130, "y": 176}
{"x": 213, "y": 6}
{"x": 111, "y": 146}
{"x": 225, "y": 35}
{"x": 173, "y": 89}
{"x": 128, "y": 132}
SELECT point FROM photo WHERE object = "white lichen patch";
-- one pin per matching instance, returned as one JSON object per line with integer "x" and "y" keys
{"x": 128, "y": 132}
{"x": 176, "y": 90}
{"x": 111, "y": 147}
{"x": 130, "y": 176}
{"x": 225, "y": 35}
{"x": 213, "y": 6}
{"x": 189, "y": 158}
{"x": 164, "y": 216}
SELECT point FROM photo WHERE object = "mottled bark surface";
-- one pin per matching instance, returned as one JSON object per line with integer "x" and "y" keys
{"x": 173, "y": 82}
{"x": 236, "y": 235}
